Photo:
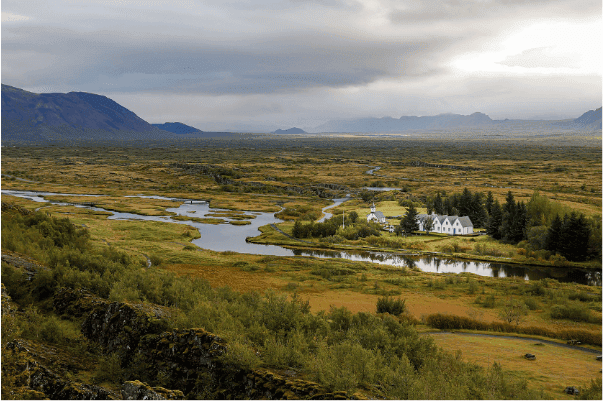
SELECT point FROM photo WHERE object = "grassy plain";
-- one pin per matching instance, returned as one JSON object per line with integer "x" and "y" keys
{"x": 554, "y": 369}
{"x": 265, "y": 175}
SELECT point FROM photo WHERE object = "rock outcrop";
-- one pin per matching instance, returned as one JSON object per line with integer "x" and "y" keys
{"x": 189, "y": 360}
{"x": 137, "y": 390}
{"x": 33, "y": 380}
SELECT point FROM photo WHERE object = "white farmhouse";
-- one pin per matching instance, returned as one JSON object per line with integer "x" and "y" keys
{"x": 453, "y": 225}
{"x": 375, "y": 216}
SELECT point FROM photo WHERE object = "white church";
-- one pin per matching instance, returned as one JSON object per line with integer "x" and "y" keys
{"x": 376, "y": 216}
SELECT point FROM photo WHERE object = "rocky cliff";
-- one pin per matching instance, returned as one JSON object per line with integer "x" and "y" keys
{"x": 188, "y": 360}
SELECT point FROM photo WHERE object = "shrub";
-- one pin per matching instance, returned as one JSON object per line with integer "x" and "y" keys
{"x": 473, "y": 287}
{"x": 109, "y": 370}
{"x": 490, "y": 301}
{"x": 156, "y": 260}
{"x": 531, "y": 303}
{"x": 393, "y": 306}
{"x": 575, "y": 312}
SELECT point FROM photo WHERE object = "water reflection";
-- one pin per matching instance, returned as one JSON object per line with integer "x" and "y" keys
{"x": 227, "y": 237}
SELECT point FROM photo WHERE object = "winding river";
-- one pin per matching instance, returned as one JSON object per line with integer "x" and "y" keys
{"x": 227, "y": 237}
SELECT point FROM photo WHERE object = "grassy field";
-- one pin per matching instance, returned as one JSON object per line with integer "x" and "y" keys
{"x": 269, "y": 175}
{"x": 554, "y": 369}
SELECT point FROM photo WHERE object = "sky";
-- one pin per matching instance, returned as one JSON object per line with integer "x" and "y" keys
{"x": 267, "y": 64}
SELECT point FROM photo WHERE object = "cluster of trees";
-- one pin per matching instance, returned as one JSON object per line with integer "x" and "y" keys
{"x": 354, "y": 229}
{"x": 569, "y": 237}
{"x": 543, "y": 224}
{"x": 475, "y": 205}
{"x": 507, "y": 222}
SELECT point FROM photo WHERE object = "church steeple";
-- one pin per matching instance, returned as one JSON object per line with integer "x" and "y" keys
{"x": 373, "y": 208}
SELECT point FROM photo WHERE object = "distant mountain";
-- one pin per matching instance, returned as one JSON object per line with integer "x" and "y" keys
{"x": 178, "y": 128}
{"x": 75, "y": 115}
{"x": 405, "y": 123}
{"x": 289, "y": 131}
{"x": 590, "y": 119}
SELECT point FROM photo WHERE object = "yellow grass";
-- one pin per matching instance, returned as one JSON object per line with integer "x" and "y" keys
{"x": 554, "y": 368}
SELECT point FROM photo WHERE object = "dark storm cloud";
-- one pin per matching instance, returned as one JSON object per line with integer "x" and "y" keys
{"x": 122, "y": 61}
{"x": 218, "y": 60}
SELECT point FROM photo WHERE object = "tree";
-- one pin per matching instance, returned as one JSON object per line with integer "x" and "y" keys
{"x": 438, "y": 205}
{"x": 353, "y": 216}
{"x": 428, "y": 224}
{"x": 575, "y": 232}
{"x": 513, "y": 312}
{"x": 494, "y": 221}
{"x": 489, "y": 203}
{"x": 553, "y": 236}
{"x": 409, "y": 222}
{"x": 367, "y": 195}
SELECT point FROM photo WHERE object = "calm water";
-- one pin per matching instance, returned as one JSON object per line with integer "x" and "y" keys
{"x": 227, "y": 237}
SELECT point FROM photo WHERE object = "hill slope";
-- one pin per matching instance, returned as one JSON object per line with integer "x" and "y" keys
{"x": 49, "y": 116}
{"x": 293, "y": 130}
{"x": 178, "y": 128}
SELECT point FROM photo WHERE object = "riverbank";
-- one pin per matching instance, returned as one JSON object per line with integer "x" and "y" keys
{"x": 281, "y": 235}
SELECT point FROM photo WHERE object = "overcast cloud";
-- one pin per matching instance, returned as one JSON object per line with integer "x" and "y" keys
{"x": 271, "y": 64}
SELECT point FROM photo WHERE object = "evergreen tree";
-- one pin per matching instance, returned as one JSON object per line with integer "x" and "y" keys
{"x": 553, "y": 236}
{"x": 464, "y": 204}
{"x": 518, "y": 225}
{"x": 409, "y": 222}
{"x": 438, "y": 204}
{"x": 494, "y": 221}
{"x": 509, "y": 215}
{"x": 478, "y": 214}
{"x": 489, "y": 203}
{"x": 573, "y": 241}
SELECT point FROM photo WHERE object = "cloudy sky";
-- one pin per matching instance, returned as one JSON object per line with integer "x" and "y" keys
{"x": 267, "y": 64}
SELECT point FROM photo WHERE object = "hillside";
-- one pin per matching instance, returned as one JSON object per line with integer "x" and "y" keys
{"x": 289, "y": 131}
{"x": 75, "y": 115}
{"x": 590, "y": 119}
{"x": 178, "y": 128}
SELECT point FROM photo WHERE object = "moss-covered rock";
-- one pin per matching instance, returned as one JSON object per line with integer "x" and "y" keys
{"x": 30, "y": 379}
{"x": 137, "y": 390}
{"x": 189, "y": 360}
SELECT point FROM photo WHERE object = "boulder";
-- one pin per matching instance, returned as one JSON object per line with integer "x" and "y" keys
{"x": 572, "y": 390}
{"x": 530, "y": 357}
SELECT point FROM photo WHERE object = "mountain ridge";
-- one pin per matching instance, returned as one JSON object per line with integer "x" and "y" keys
{"x": 590, "y": 120}
{"x": 75, "y": 115}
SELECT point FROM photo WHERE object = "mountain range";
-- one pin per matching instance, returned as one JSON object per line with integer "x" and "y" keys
{"x": 590, "y": 120}
{"x": 28, "y": 116}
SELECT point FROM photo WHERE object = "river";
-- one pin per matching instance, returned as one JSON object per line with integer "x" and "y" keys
{"x": 227, "y": 237}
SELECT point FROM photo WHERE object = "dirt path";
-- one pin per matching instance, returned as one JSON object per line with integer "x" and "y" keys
{"x": 538, "y": 340}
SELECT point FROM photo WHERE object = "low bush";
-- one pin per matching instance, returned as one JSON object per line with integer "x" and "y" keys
{"x": 453, "y": 322}
{"x": 393, "y": 306}
{"x": 575, "y": 311}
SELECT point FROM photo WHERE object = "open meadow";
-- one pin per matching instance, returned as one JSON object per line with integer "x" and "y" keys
{"x": 296, "y": 177}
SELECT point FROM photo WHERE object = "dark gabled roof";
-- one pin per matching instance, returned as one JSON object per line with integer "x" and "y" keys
{"x": 464, "y": 220}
